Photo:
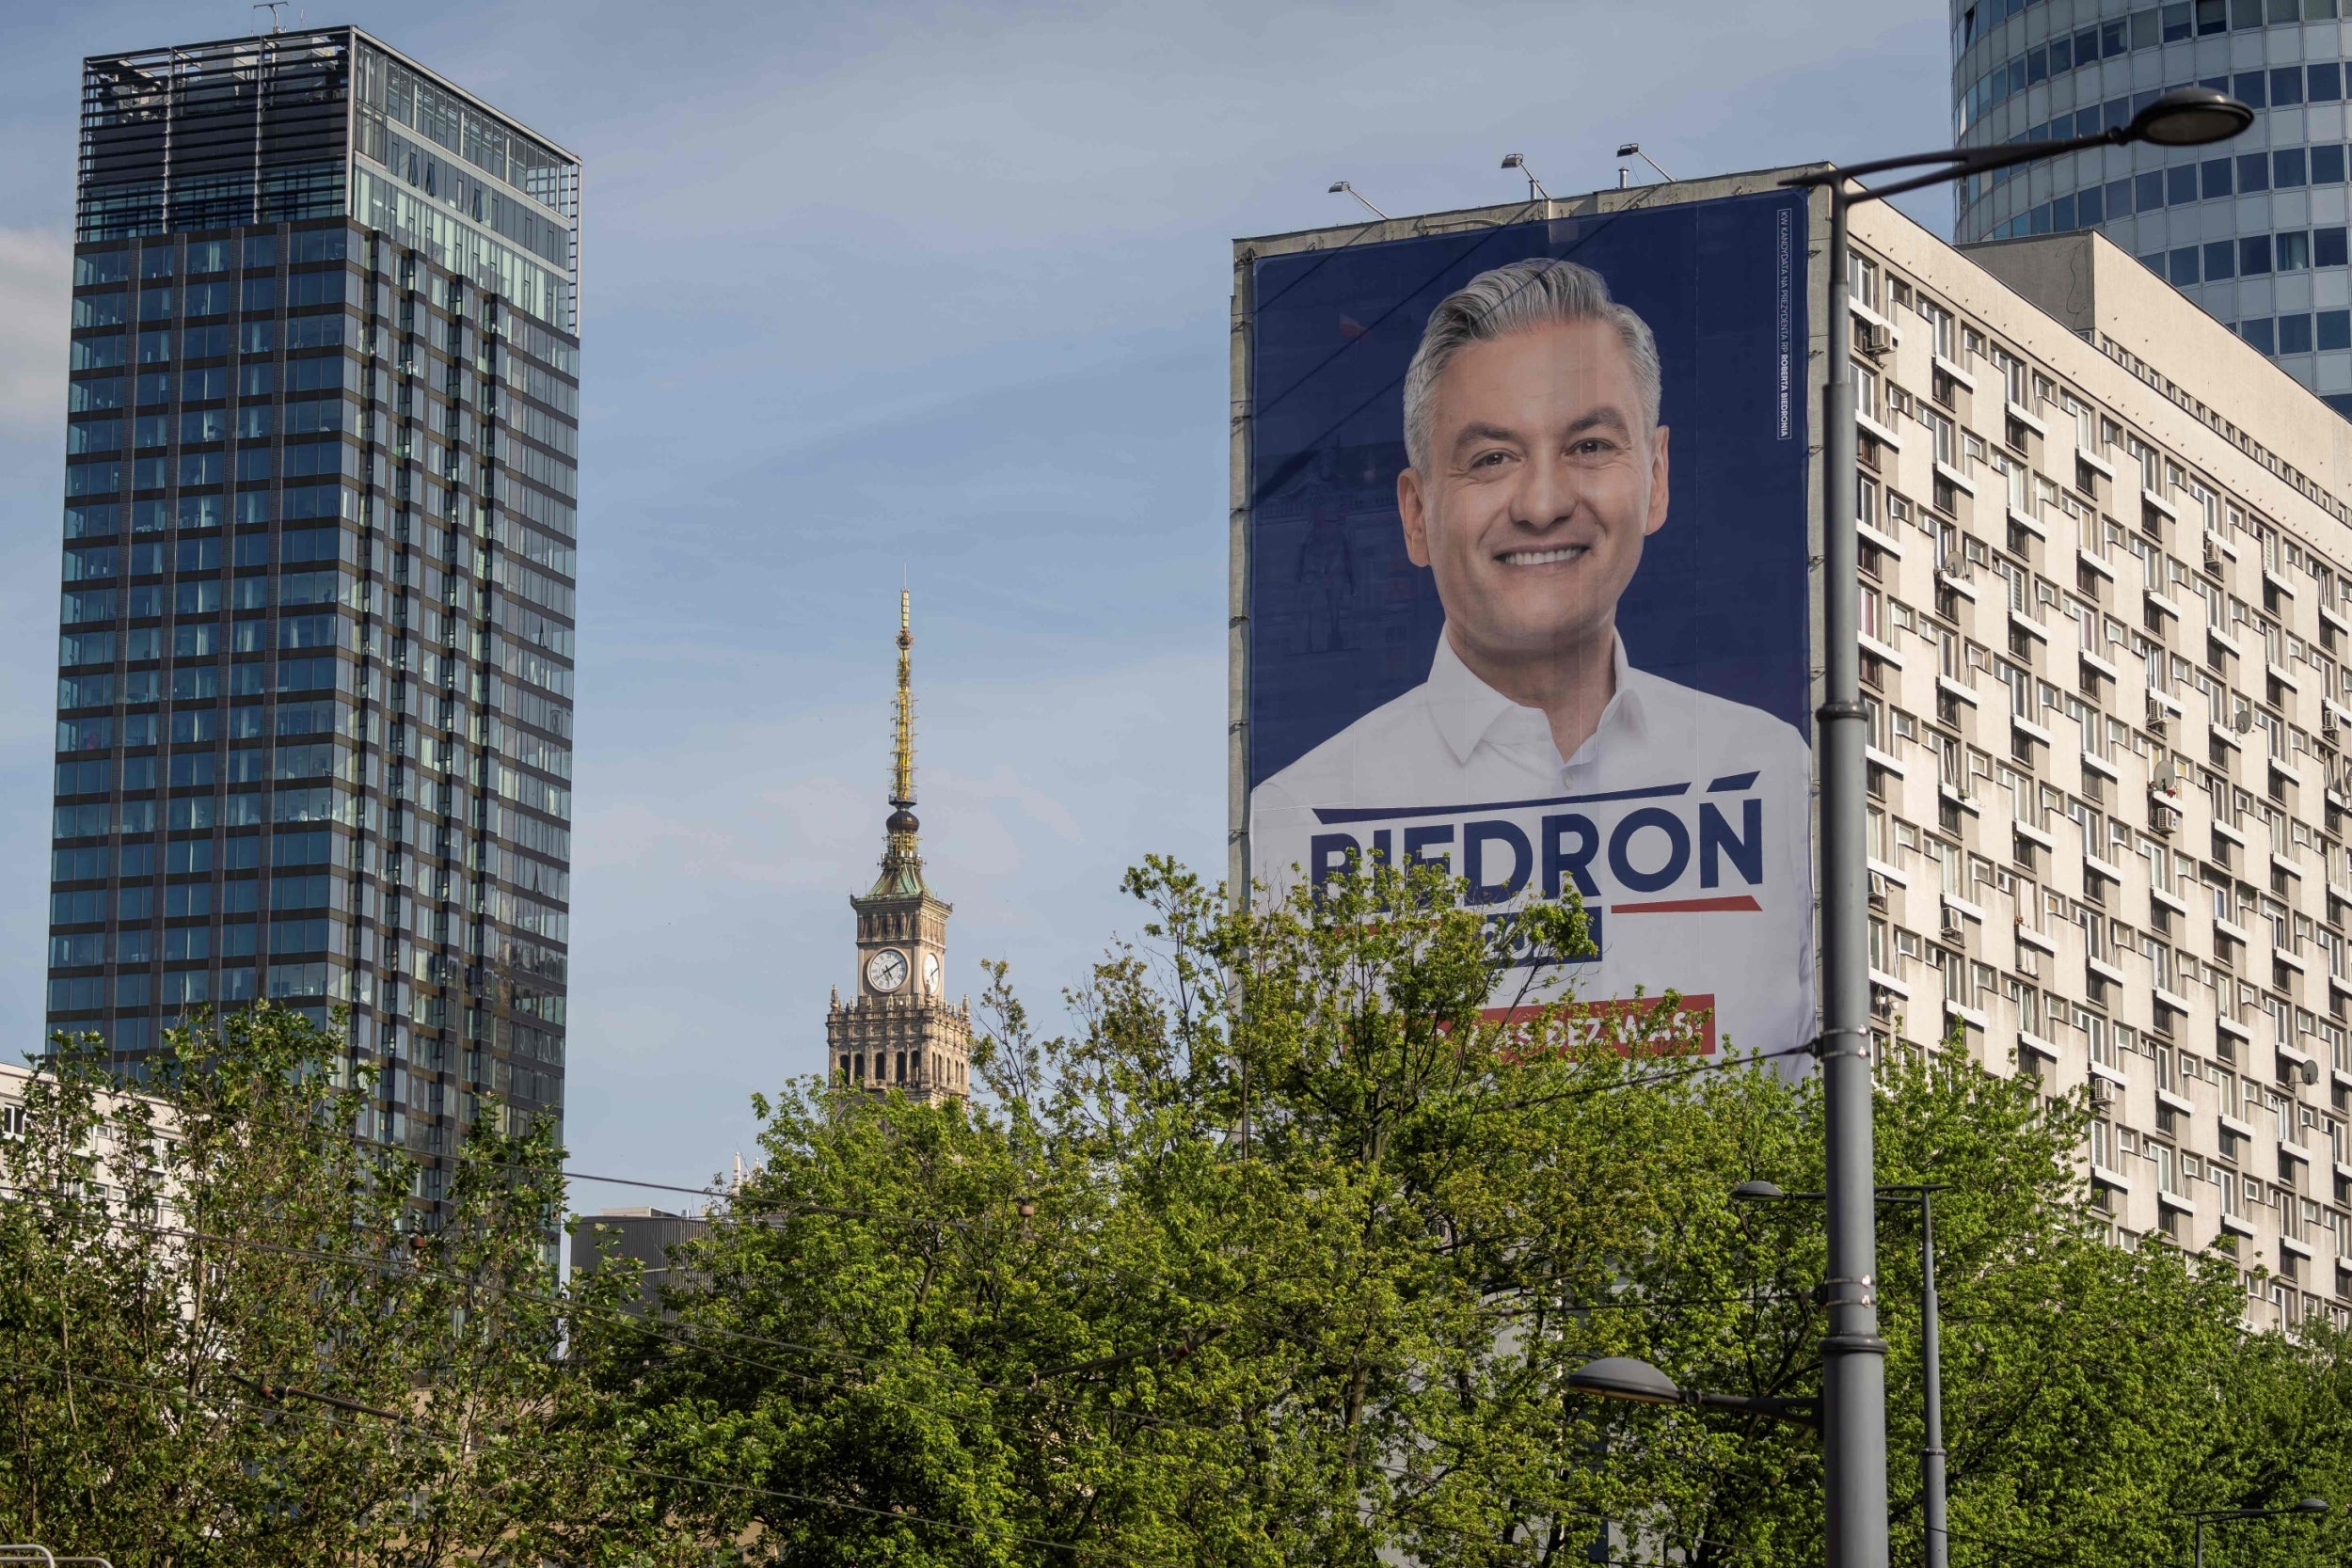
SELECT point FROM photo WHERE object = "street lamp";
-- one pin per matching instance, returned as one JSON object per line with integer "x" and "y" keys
{"x": 2308, "y": 1506}
{"x": 1343, "y": 187}
{"x": 1930, "y": 1346}
{"x": 1534, "y": 187}
{"x": 1623, "y": 1377}
{"x": 1853, "y": 1357}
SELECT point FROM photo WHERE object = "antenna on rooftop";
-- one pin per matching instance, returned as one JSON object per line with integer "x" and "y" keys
{"x": 276, "y": 22}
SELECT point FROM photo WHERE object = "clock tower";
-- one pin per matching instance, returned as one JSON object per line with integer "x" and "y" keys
{"x": 899, "y": 1032}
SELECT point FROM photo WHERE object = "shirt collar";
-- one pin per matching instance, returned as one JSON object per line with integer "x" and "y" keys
{"x": 1466, "y": 710}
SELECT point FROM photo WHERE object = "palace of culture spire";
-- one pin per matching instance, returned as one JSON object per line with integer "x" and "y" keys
{"x": 903, "y": 860}
{"x": 897, "y": 1032}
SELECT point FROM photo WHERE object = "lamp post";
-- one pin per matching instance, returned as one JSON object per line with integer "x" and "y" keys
{"x": 2308, "y": 1506}
{"x": 1623, "y": 1377}
{"x": 1853, "y": 1357}
{"x": 1930, "y": 1346}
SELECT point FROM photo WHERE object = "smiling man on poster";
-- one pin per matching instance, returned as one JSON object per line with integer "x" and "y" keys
{"x": 1536, "y": 758}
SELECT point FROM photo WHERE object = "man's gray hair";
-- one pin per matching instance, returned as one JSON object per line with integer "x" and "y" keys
{"x": 1539, "y": 292}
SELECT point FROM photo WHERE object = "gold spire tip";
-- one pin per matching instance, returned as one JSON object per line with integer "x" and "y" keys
{"x": 902, "y": 772}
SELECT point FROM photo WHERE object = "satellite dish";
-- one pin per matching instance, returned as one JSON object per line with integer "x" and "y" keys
{"x": 2243, "y": 722}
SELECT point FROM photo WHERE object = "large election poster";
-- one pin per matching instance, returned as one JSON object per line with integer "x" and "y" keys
{"x": 1527, "y": 585}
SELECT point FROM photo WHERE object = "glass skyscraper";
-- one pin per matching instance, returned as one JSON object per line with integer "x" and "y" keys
{"x": 314, "y": 685}
{"x": 2253, "y": 230}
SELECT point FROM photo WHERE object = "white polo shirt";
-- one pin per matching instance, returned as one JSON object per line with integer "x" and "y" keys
{"x": 1683, "y": 819}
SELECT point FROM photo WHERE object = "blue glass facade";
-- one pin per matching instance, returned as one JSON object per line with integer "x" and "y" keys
{"x": 316, "y": 625}
{"x": 2254, "y": 231}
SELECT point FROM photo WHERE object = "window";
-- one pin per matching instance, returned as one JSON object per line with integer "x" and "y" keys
{"x": 1862, "y": 280}
{"x": 1941, "y": 322}
{"x": 1942, "y": 428}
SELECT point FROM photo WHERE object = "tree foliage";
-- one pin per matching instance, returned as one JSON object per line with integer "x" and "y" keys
{"x": 222, "y": 1342}
{"x": 1283, "y": 1253}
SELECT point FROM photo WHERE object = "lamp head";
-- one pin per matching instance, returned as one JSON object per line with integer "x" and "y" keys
{"x": 1623, "y": 1377}
{"x": 1515, "y": 160}
{"x": 1339, "y": 185}
{"x": 1630, "y": 150}
{"x": 2189, "y": 117}
{"x": 2312, "y": 1505}
{"x": 1759, "y": 1191}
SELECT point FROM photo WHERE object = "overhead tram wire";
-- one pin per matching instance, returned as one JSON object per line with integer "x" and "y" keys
{"x": 1642, "y": 1082}
{"x": 1331, "y": 253}
{"x": 610, "y": 1468}
{"x": 897, "y": 1516}
{"x": 825, "y": 1380}
{"x": 1476, "y": 242}
{"x": 1296, "y": 464}
{"x": 816, "y": 1379}
{"x": 870, "y": 1363}
{"x": 606, "y": 1180}
{"x": 1719, "y": 1065}
{"x": 615, "y": 1316}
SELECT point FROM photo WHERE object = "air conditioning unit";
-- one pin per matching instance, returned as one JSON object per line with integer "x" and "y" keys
{"x": 2158, "y": 715}
{"x": 2213, "y": 553}
{"x": 1954, "y": 923}
{"x": 1878, "y": 890}
{"x": 1873, "y": 338}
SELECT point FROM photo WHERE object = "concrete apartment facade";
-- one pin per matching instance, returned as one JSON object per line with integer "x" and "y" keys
{"x": 2108, "y": 606}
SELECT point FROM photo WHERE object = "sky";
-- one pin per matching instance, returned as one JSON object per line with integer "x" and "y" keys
{"x": 927, "y": 295}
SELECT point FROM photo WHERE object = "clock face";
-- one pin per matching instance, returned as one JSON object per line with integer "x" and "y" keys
{"x": 886, "y": 970}
{"x": 931, "y": 973}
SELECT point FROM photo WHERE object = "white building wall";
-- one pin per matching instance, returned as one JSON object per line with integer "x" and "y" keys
{"x": 2110, "y": 634}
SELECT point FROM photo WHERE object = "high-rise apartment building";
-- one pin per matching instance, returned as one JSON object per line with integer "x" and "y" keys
{"x": 2253, "y": 230}
{"x": 315, "y": 668}
{"x": 2107, "y": 652}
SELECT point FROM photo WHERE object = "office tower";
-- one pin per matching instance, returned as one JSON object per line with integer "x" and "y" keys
{"x": 315, "y": 666}
{"x": 2253, "y": 230}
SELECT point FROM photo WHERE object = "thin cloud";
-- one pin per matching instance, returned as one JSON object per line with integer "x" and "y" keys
{"x": 36, "y": 280}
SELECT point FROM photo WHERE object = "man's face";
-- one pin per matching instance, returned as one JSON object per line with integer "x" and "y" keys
{"x": 1543, "y": 478}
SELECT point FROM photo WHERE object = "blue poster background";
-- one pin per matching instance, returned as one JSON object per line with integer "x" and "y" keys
{"x": 1340, "y": 621}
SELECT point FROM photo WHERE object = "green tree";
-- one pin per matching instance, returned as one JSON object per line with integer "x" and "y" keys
{"x": 1282, "y": 1254}
{"x": 1285, "y": 1252}
{"x": 222, "y": 1340}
